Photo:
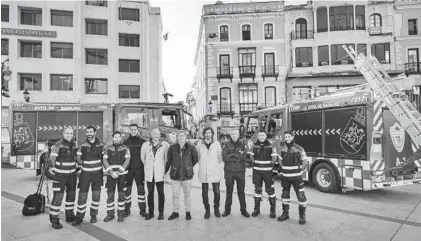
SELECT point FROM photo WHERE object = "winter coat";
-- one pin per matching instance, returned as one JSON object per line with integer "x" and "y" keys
{"x": 210, "y": 162}
{"x": 234, "y": 155}
{"x": 181, "y": 162}
{"x": 154, "y": 164}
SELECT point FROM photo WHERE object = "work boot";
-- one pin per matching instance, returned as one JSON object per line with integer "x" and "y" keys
{"x": 285, "y": 213}
{"x": 256, "y": 211}
{"x": 55, "y": 222}
{"x": 127, "y": 212}
{"x": 302, "y": 211}
{"x": 93, "y": 219}
{"x": 174, "y": 215}
{"x": 188, "y": 216}
{"x": 245, "y": 213}
{"x": 226, "y": 213}
{"x": 70, "y": 218}
{"x": 272, "y": 202}
{"x": 143, "y": 213}
{"x": 217, "y": 213}
{"x": 109, "y": 217}
{"x": 120, "y": 219}
{"x": 207, "y": 212}
{"x": 77, "y": 222}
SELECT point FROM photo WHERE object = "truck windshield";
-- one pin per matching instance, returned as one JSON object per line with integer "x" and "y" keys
{"x": 252, "y": 125}
{"x": 171, "y": 118}
{"x": 138, "y": 116}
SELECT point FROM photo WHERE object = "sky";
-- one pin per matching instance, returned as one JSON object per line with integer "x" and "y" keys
{"x": 181, "y": 19}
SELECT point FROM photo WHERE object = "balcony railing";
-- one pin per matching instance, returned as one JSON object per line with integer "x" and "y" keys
{"x": 299, "y": 34}
{"x": 413, "y": 68}
{"x": 413, "y": 32}
{"x": 247, "y": 71}
{"x": 247, "y": 108}
{"x": 270, "y": 71}
{"x": 378, "y": 31}
{"x": 224, "y": 72}
{"x": 340, "y": 28}
{"x": 224, "y": 37}
{"x": 225, "y": 109}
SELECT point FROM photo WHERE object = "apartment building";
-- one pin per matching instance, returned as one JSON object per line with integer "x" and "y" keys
{"x": 82, "y": 51}
{"x": 240, "y": 61}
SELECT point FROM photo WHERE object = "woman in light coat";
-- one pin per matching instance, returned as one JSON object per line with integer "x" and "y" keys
{"x": 154, "y": 157}
{"x": 210, "y": 169}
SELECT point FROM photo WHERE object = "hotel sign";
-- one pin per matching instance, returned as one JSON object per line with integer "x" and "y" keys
{"x": 29, "y": 32}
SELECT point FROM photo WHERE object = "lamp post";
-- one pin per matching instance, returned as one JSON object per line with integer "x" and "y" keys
{"x": 26, "y": 95}
{"x": 210, "y": 107}
{"x": 6, "y": 76}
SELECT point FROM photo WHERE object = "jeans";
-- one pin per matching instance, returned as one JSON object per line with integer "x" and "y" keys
{"x": 216, "y": 194}
{"x": 176, "y": 188}
{"x": 161, "y": 196}
{"x": 239, "y": 178}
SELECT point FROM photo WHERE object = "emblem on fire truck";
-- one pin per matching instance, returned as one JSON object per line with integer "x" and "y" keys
{"x": 397, "y": 134}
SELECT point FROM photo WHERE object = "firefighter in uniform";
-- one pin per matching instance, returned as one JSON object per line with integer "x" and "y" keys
{"x": 90, "y": 158}
{"x": 116, "y": 161}
{"x": 263, "y": 158}
{"x": 292, "y": 158}
{"x": 63, "y": 164}
{"x": 136, "y": 171}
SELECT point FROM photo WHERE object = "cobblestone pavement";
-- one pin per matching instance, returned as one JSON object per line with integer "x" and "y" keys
{"x": 387, "y": 214}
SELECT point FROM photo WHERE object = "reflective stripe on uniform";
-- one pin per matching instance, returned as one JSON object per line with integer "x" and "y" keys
{"x": 263, "y": 162}
{"x": 91, "y": 169}
{"x": 263, "y": 168}
{"x": 65, "y": 171}
{"x": 66, "y": 164}
{"x": 272, "y": 196}
{"x": 292, "y": 174}
{"x": 291, "y": 167}
{"x": 302, "y": 203}
{"x": 54, "y": 154}
{"x": 91, "y": 162}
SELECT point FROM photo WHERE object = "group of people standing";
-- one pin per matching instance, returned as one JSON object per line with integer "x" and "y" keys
{"x": 140, "y": 160}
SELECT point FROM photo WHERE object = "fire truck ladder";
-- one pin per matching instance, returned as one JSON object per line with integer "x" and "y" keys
{"x": 403, "y": 110}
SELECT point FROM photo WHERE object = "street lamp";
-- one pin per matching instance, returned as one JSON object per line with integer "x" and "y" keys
{"x": 210, "y": 106}
{"x": 26, "y": 95}
{"x": 6, "y": 76}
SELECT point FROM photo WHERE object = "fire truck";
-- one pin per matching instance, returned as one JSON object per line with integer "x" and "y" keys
{"x": 361, "y": 138}
{"x": 36, "y": 127}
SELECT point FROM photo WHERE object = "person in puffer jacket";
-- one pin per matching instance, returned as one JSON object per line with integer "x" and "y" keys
{"x": 263, "y": 158}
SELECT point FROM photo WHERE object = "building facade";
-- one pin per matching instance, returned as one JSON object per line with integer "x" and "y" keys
{"x": 240, "y": 61}
{"x": 82, "y": 51}
{"x": 307, "y": 45}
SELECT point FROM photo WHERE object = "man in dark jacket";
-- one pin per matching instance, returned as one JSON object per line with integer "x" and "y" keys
{"x": 135, "y": 171}
{"x": 292, "y": 158}
{"x": 234, "y": 155}
{"x": 263, "y": 158}
{"x": 181, "y": 159}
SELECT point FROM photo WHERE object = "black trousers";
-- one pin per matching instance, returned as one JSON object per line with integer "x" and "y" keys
{"x": 161, "y": 196}
{"x": 298, "y": 185}
{"x": 260, "y": 177}
{"x": 63, "y": 183}
{"x": 120, "y": 182}
{"x": 240, "y": 179}
{"x": 139, "y": 176}
{"x": 216, "y": 194}
{"x": 95, "y": 181}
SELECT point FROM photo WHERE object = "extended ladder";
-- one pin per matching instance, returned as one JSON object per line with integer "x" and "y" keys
{"x": 397, "y": 102}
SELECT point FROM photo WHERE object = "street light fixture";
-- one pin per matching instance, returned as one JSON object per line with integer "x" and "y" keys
{"x": 210, "y": 106}
{"x": 26, "y": 95}
{"x": 6, "y": 76}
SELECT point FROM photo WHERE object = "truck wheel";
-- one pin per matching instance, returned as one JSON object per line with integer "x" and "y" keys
{"x": 325, "y": 178}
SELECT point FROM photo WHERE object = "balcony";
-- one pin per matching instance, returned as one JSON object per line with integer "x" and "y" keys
{"x": 270, "y": 71}
{"x": 225, "y": 109}
{"x": 247, "y": 71}
{"x": 224, "y": 72}
{"x": 413, "y": 68}
{"x": 379, "y": 31}
{"x": 413, "y": 32}
{"x": 247, "y": 108}
{"x": 297, "y": 34}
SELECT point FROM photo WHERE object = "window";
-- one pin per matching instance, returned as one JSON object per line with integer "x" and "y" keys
{"x": 96, "y": 27}
{"x": 129, "y": 91}
{"x": 322, "y": 19}
{"x": 4, "y": 46}
{"x": 327, "y": 89}
{"x": 269, "y": 61}
{"x": 268, "y": 31}
{"x": 270, "y": 96}
{"x": 31, "y": 16}
{"x": 225, "y": 95}
{"x": 5, "y": 13}
{"x": 412, "y": 27}
{"x": 339, "y": 56}
{"x": 30, "y": 49}
{"x": 61, "y": 18}
{"x": 61, "y": 82}
{"x": 224, "y": 65}
{"x": 275, "y": 124}
{"x": 96, "y": 86}
{"x": 223, "y": 33}
{"x": 301, "y": 93}
{"x": 301, "y": 28}
{"x": 171, "y": 118}
{"x": 360, "y": 17}
{"x": 323, "y": 53}
{"x": 30, "y": 82}
{"x": 97, "y": 3}
{"x": 362, "y": 48}
{"x": 131, "y": 14}
{"x": 375, "y": 23}
{"x": 97, "y": 56}
{"x": 341, "y": 18}
{"x": 252, "y": 126}
{"x": 62, "y": 50}
{"x": 304, "y": 57}
{"x": 248, "y": 98}
{"x": 247, "y": 60}
{"x": 246, "y": 32}
{"x": 128, "y": 40}
{"x": 129, "y": 65}
{"x": 381, "y": 52}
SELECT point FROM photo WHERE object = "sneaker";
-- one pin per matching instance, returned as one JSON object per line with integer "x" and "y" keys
{"x": 174, "y": 215}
